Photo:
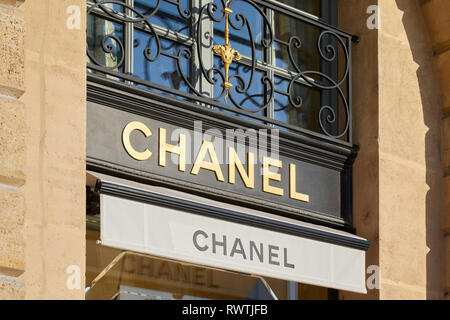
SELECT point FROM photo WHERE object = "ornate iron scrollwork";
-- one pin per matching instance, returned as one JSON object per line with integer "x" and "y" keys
{"x": 226, "y": 52}
{"x": 237, "y": 68}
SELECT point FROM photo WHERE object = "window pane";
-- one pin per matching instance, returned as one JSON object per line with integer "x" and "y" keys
{"x": 252, "y": 100}
{"x": 164, "y": 70}
{"x": 305, "y": 57}
{"x": 310, "y": 6}
{"x": 305, "y": 115}
{"x": 167, "y": 15}
{"x": 240, "y": 39}
{"x": 110, "y": 33}
{"x": 110, "y": 7}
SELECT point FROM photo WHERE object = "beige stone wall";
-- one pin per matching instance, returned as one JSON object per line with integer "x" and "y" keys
{"x": 365, "y": 128}
{"x": 437, "y": 18}
{"x": 12, "y": 151}
{"x": 410, "y": 165}
{"x": 42, "y": 159}
{"x": 397, "y": 175}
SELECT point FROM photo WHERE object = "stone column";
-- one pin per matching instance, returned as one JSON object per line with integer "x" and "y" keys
{"x": 436, "y": 13}
{"x": 410, "y": 162}
{"x": 42, "y": 149}
{"x": 55, "y": 99}
{"x": 397, "y": 175}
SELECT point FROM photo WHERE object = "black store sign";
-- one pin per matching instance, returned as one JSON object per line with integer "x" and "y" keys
{"x": 263, "y": 173}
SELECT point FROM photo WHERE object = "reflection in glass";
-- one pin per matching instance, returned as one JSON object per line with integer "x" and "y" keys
{"x": 167, "y": 15}
{"x": 306, "y": 56}
{"x": 309, "y": 6}
{"x": 113, "y": 8}
{"x": 164, "y": 70}
{"x": 99, "y": 30}
{"x": 240, "y": 39}
{"x": 138, "y": 276}
{"x": 253, "y": 100}
{"x": 304, "y": 115}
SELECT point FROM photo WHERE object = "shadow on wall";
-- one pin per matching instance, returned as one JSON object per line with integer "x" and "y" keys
{"x": 421, "y": 49}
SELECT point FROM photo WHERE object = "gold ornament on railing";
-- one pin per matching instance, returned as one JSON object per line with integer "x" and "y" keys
{"x": 226, "y": 52}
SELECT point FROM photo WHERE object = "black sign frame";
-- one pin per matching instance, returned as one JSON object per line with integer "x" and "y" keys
{"x": 173, "y": 112}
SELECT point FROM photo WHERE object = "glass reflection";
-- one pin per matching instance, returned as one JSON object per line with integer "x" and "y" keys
{"x": 240, "y": 39}
{"x": 306, "y": 115}
{"x": 164, "y": 70}
{"x": 306, "y": 57}
{"x": 253, "y": 100}
{"x": 113, "y": 8}
{"x": 138, "y": 276}
{"x": 309, "y": 6}
{"x": 99, "y": 30}
{"x": 167, "y": 15}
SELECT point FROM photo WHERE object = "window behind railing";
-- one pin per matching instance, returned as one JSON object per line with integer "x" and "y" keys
{"x": 290, "y": 68}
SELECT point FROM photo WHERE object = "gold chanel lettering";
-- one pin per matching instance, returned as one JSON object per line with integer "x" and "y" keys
{"x": 135, "y": 126}
{"x": 200, "y": 163}
{"x": 165, "y": 147}
{"x": 269, "y": 175}
{"x": 207, "y": 149}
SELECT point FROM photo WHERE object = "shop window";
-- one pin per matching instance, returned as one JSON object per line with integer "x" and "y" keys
{"x": 124, "y": 275}
{"x": 290, "y": 68}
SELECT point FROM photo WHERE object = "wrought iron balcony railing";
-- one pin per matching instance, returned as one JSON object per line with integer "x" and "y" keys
{"x": 261, "y": 60}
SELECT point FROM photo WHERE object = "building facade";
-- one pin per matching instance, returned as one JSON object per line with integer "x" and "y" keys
{"x": 100, "y": 103}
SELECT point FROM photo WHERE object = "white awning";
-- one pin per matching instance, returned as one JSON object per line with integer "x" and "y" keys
{"x": 177, "y": 225}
